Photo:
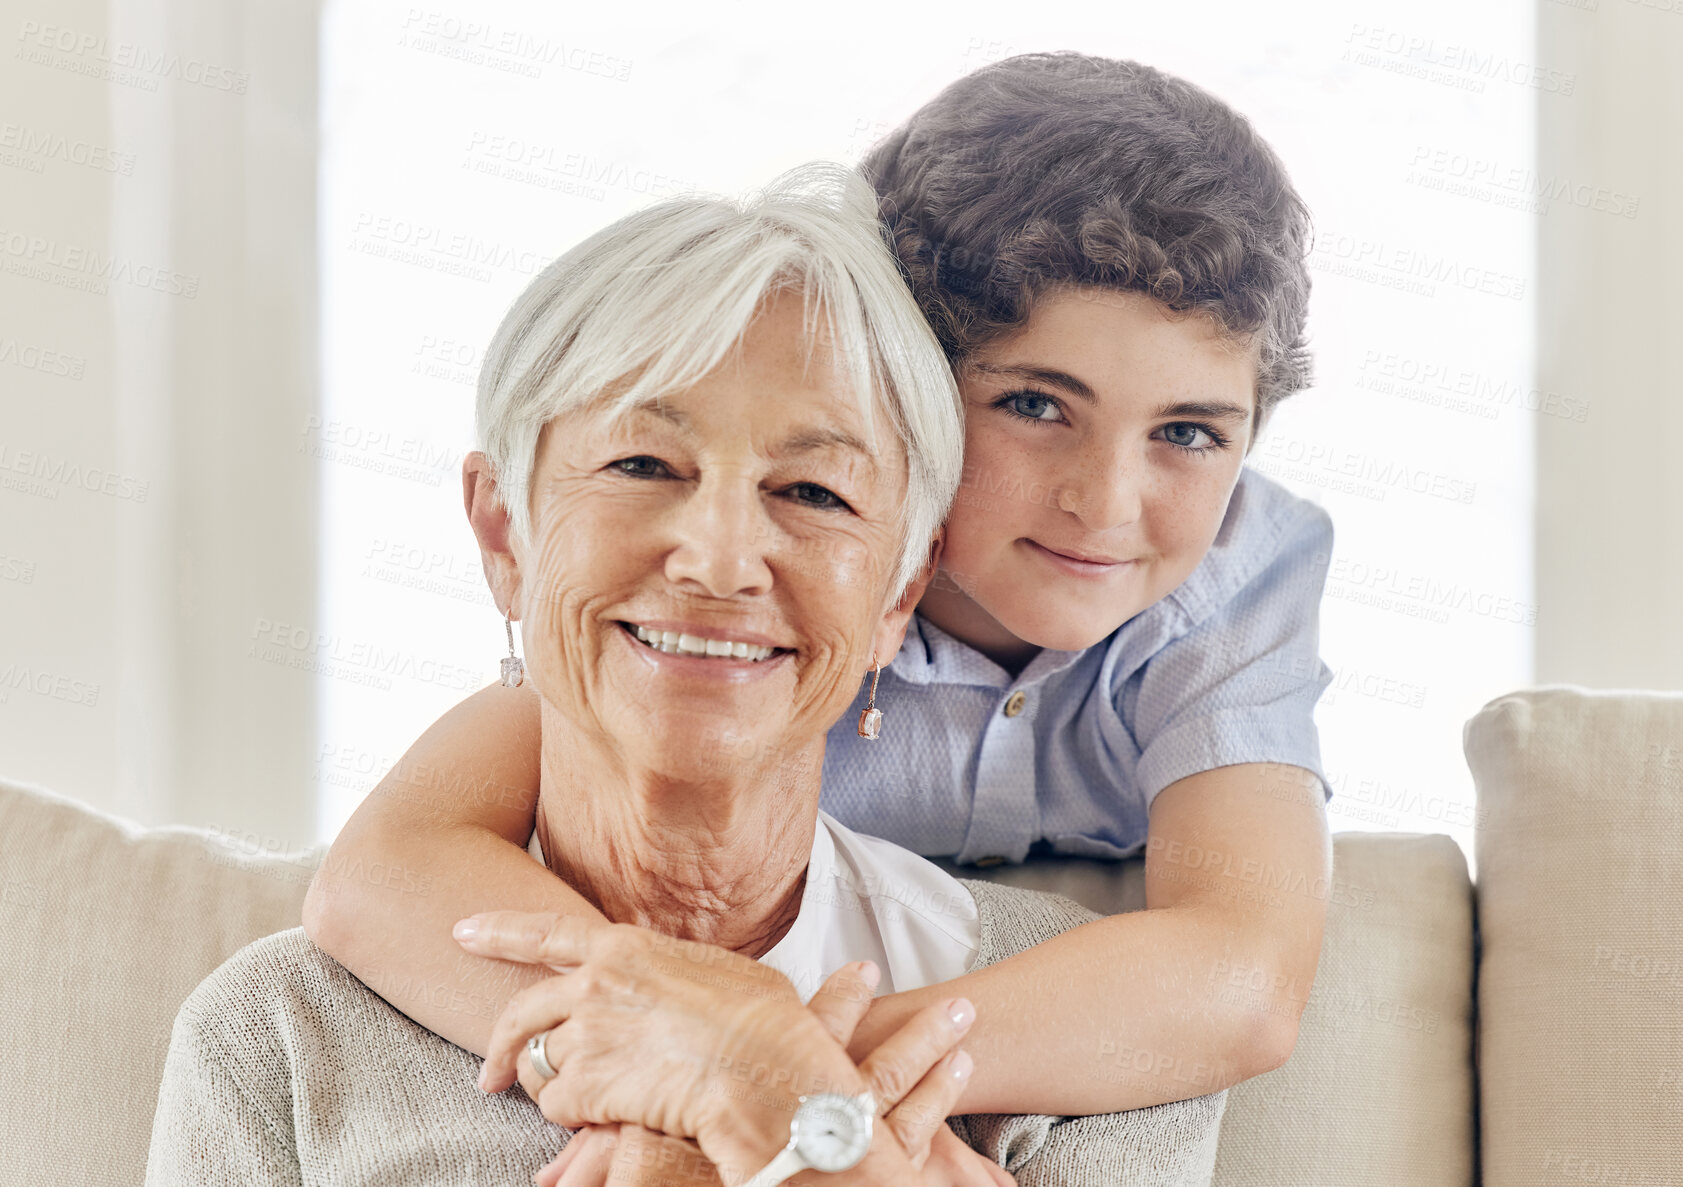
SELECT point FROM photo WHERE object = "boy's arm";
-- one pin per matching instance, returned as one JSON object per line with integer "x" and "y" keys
{"x": 1197, "y": 992}
{"x": 442, "y": 837}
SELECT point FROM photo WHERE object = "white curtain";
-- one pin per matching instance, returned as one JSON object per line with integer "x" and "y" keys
{"x": 159, "y": 214}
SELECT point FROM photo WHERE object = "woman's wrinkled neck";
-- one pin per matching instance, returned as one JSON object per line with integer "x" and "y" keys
{"x": 719, "y": 856}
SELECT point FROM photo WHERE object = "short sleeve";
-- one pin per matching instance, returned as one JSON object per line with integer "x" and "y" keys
{"x": 1241, "y": 685}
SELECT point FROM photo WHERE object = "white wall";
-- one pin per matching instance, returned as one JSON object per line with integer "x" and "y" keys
{"x": 1610, "y": 327}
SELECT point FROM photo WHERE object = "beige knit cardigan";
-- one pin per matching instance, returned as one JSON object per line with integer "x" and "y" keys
{"x": 284, "y": 1068}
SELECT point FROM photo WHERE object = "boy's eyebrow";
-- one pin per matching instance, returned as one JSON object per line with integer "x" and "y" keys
{"x": 1210, "y": 409}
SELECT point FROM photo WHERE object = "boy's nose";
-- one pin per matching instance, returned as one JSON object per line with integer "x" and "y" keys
{"x": 1103, "y": 499}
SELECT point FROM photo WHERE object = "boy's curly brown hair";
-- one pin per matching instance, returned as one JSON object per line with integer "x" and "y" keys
{"x": 1064, "y": 168}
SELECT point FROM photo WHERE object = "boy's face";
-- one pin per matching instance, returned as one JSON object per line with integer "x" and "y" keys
{"x": 1104, "y": 470}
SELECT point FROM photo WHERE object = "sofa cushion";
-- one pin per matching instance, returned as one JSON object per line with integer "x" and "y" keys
{"x": 1380, "y": 1088}
{"x": 105, "y": 928}
{"x": 1580, "y": 865}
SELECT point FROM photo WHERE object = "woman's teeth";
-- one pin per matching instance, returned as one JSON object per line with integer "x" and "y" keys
{"x": 674, "y": 643}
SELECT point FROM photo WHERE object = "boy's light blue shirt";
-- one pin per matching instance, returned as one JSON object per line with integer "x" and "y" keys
{"x": 1224, "y": 669}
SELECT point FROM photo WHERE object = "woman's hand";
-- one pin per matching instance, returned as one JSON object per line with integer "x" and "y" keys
{"x": 740, "y": 1074}
{"x": 602, "y": 1154}
{"x": 682, "y": 1038}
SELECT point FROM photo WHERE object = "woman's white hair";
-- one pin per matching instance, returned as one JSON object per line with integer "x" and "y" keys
{"x": 654, "y": 302}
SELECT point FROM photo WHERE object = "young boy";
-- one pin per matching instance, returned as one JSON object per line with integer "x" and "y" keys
{"x": 1120, "y": 652}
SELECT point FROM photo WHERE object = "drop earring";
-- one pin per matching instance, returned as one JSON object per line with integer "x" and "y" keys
{"x": 870, "y": 717}
{"x": 514, "y": 669}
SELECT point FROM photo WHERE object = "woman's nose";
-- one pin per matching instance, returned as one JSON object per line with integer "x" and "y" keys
{"x": 723, "y": 533}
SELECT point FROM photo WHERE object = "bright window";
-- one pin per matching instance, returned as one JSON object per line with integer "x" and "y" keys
{"x": 465, "y": 147}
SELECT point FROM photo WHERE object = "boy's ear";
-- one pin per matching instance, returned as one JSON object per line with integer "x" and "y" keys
{"x": 489, "y": 520}
{"x": 891, "y": 631}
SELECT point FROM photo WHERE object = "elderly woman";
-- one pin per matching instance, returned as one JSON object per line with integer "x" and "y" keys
{"x": 719, "y": 441}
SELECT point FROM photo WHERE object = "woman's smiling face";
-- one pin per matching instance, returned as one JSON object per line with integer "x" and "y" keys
{"x": 754, "y": 508}
{"x": 1105, "y": 429}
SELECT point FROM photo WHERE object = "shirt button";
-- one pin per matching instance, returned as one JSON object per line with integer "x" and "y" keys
{"x": 991, "y": 860}
{"x": 1014, "y": 703}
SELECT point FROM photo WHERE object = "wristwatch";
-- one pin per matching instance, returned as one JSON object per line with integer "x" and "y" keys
{"x": 829, "y": 1132}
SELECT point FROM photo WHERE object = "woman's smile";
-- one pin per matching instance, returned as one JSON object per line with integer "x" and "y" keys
{"x": 678, "y": 665}
{"x": 682, "y": 641}
{"x": 727, "y": 653}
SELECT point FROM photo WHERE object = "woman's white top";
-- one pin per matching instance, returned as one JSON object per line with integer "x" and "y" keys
{"x": 870, "y": 899}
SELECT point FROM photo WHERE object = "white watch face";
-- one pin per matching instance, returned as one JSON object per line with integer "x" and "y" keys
{"x": 832, "y": 1132}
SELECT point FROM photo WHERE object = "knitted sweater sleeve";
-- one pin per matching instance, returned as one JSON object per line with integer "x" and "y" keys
{"x": 1167, "y": 1145}
{"x": 284, "y": 1069}
{"x": 214, "y": 1123}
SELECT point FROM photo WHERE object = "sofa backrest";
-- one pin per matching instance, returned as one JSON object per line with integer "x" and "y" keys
{"x": 1380, "y": 1088}
{"x": 1580, "y": 864}
{"x": 105, "y": 928}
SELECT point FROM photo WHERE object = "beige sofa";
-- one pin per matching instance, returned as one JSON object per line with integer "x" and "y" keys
{"x": 1533, "y": 1026}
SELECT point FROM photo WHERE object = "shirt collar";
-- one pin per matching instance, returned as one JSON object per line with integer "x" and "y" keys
{"x": 799, "y": 955}
{"x": 931, "y": 656}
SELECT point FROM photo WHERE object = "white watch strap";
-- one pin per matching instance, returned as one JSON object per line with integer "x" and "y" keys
{"x": 788, "y": 1162}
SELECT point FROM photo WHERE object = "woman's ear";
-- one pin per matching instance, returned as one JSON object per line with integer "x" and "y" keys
{"x": 489, "y": 520}
{"x": 891, "y": 631}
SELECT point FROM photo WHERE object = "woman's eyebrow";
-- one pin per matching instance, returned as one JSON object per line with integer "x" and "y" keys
{"x": 803, "y": 441}
{"x": 1052, "y": 377}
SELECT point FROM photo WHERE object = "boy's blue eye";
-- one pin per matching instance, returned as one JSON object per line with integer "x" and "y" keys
{"x": 1030, "y": 406}
{"x": 1187, "y": 437}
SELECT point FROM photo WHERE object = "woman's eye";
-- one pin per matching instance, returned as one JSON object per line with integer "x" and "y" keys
{"x": 814, "y": 495}
{"x": 639, "y": 467}
{"x": 1032, "y": 406}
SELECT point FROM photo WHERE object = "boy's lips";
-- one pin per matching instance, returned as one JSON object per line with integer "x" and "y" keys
{"x": 1076, "y": 565}
{"x": 1091, "y": 558}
